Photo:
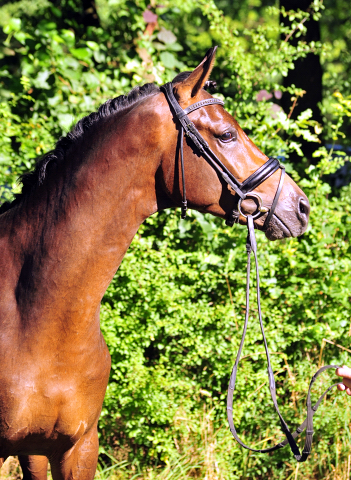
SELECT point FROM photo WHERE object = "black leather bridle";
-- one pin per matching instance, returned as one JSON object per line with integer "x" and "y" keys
{"x": 244, "y": 190}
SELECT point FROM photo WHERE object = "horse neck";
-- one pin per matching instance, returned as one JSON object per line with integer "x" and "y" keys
{"x": 68, "y": 245}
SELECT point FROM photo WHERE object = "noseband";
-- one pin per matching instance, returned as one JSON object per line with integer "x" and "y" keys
{"x": 244, "y": 190}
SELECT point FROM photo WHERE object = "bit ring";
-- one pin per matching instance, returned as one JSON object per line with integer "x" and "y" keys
{"x": 260, "y": 208}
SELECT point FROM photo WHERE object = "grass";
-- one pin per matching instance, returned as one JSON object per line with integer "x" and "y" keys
{"x": 204, "y": 460}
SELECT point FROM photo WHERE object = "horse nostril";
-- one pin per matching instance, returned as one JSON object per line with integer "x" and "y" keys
{"x": 304, "y": 208}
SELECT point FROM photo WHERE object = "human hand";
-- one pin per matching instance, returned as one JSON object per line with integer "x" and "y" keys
{"x": 345, "y": 373}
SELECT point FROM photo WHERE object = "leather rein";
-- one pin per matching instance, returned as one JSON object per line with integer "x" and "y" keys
{"x": 244, "y": 190}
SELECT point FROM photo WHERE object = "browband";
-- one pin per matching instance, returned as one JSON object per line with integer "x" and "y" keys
{"x": 202, "y": 103}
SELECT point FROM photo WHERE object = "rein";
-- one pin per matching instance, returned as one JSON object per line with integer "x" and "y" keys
{"x": 251, "y": 247}
{"x": 244, "y": 190}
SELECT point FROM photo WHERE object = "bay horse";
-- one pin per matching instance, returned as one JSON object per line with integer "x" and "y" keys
{"x": 63, "y": 238}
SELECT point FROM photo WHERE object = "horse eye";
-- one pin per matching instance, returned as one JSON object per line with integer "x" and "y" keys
{"x": 227, "y": 137}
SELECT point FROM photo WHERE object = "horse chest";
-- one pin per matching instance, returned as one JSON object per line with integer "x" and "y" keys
{"x": 58, "y": 397}
{"x": 50, "y": 410}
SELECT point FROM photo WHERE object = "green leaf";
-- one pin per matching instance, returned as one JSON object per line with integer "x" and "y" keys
{"x": 14, "y": 25}
{"x": 168, "y": 59}
{"x": 68, "y": 36}
{"x": 166, "y": 36}
{"x": 81, "y": 53}
{"x": 92, "y": 45}
{"x": 65, "y": 121}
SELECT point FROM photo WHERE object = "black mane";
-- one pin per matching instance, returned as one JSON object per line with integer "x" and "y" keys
{"x": 33, "y": 179}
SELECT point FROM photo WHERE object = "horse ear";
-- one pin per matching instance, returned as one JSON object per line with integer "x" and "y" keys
{"x": 191, "y": 86}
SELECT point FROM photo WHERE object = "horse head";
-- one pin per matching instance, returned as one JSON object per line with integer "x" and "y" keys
{"x": 206, "y": 191}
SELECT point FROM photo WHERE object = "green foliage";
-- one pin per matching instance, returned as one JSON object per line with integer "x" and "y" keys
{"x": 172, "y": 317}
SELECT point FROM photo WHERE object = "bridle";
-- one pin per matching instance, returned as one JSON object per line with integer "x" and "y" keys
{"x": 242, "y": 191}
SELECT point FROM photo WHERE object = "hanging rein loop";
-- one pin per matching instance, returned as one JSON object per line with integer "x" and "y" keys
{"x": 242, "y": 191}
{"x": 307, "y": 424}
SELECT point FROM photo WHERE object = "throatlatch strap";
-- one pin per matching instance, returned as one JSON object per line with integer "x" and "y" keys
{"x": 184, "y": 201}
{"x": 307, "y": 424}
